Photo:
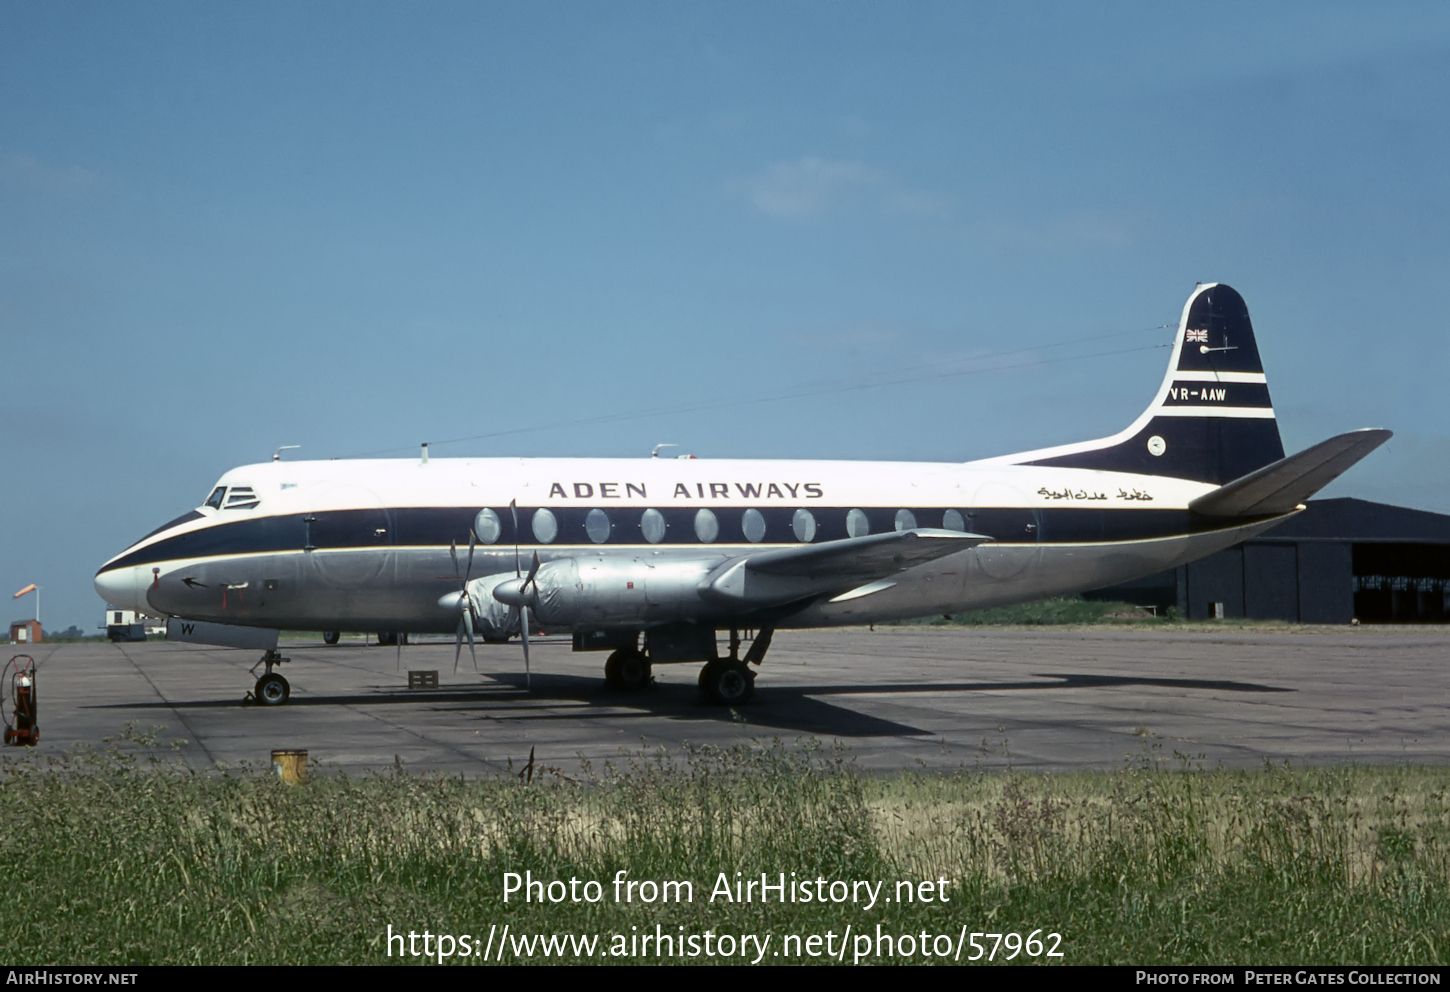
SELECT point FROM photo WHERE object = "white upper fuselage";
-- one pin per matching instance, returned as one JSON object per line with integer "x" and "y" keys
{"x": 284, "y": 488}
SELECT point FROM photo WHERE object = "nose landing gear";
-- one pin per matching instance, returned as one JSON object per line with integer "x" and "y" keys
{"x": 271, "y": 689}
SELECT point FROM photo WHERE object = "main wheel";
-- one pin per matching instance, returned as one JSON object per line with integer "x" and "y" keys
{"x": 272, "y": 690}
{"x": 387, "y": 640}
{"x": 331, "y": 636}
{"x": 626, "y": 669}
{"x": 728, "y": 683}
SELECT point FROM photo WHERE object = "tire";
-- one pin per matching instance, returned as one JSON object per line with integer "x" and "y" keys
{"x": 388, "y": 640}
{"x": 627, "y": 670}
{"x": 272, "y": 690}
{"x": 331, "y": 636}
{"x": 728, "y": 683}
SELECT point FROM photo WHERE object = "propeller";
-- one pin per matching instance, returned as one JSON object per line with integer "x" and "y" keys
{"x": 466, "y": 616}
{"x": 524, "y": 619}
{"x": 523, "y": 609}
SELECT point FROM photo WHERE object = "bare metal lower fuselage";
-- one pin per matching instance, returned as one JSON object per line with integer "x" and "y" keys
{"x": 398, "y": 589}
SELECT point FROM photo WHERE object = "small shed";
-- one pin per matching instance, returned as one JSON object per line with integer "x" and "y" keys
{"x": 26, "y": 632}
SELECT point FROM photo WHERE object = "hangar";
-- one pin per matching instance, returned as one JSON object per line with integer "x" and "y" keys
{"x": 1339, "y": 561}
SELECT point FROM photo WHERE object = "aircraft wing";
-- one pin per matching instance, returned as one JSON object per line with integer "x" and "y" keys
{"x": 1284, "y": 484}
{"x": 796, "y": 573}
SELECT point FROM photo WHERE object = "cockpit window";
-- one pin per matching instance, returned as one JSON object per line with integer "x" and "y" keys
{"x": 215, "y": 499}
{"x": 242, "y": 498}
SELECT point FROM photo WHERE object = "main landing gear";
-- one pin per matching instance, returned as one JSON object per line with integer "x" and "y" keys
{"x": 627, "y": 669}
{"x": 729, "y": 681}
{"x": 271, "y": 689}
{"x": 724, "y": 681}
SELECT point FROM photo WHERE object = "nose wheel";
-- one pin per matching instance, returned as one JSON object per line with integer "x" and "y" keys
{"x": 271, "y": 689}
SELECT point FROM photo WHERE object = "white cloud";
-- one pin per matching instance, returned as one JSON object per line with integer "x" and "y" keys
{"x": 27, "y": 172}
{"x": 813, "y": 186}
{"x": 1083, "y": 229}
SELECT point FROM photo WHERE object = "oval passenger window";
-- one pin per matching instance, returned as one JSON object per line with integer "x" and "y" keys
{"x": 905, "y": 520}
{"x": 952, "y": 520}
{"x": 856, "y": 524}
{"x": 596, "y": 525}
{"x": 753, "y": 523}
{"x": 707, "y": 528}
{"x": 652, "y": 525}
{"x": 804, "y": 525}
{"x": 486, "y": 526}
{"x": 546, "y": 528}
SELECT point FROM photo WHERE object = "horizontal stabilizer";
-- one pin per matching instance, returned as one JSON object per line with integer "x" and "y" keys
{"x": 1284, "y": 484}
{"x": 791, "y": 574}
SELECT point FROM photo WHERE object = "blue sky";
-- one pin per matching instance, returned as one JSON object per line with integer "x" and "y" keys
{"x": 786, "y": 230}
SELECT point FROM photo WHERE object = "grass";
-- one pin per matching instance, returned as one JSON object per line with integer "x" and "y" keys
{"x": 123, "y": 856}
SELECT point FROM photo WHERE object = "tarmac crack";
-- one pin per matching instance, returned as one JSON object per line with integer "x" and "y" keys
{"x": 191, "y": 732}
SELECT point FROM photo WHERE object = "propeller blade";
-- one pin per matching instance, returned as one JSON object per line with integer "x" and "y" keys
{"x": 466, "y": 616}
{"x": 472, "y": 618}
{"x": 533, "y": 571}
{"x": 524, "y": 633}
{"x": 514, "y": 509}
{"x": 458, "y": 644}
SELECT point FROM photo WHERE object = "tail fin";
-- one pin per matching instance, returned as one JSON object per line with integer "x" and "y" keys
{"x": 1211, "y": 420}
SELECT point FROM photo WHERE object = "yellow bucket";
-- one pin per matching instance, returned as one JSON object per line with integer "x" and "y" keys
{"x": 290, "y": 766}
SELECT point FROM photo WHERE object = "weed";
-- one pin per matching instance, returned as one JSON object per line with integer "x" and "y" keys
{"x": 123, "y": 855}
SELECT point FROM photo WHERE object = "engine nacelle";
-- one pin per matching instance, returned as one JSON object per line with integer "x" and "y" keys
{"x": 598, "y": 591}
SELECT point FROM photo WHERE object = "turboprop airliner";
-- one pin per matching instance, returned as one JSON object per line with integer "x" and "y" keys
{"x": 656, "y": 559}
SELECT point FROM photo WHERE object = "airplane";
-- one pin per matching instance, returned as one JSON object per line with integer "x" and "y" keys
{"x": 653, "y": 558}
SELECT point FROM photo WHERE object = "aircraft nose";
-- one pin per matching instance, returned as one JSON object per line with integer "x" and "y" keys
{"x": 510, "y": 592}
{"x": 124, "y": 588}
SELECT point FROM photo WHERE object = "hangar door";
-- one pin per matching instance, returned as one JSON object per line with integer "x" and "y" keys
{"x": 1271, "y": 582}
